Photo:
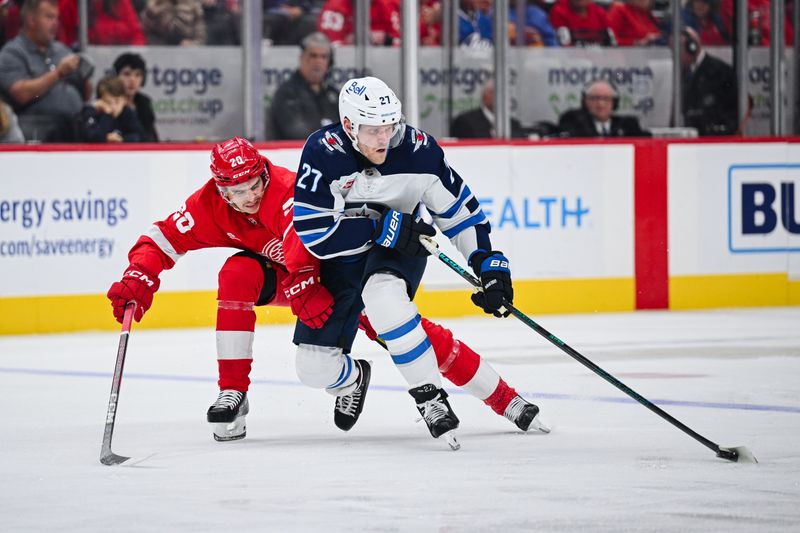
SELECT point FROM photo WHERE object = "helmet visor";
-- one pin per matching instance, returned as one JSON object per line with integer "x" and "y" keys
{"x": 381, "y": 137}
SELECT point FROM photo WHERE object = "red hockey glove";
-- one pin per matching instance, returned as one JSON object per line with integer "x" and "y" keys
{"x": 136, "y": 285}
{"x": 310, "y": 300}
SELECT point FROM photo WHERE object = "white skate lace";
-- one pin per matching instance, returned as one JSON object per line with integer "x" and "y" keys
{"x": 229, "y": 399}
{"x": 347, "y": 404}
{"x": 432, "y": 411}
{"x": 515, "y": 408}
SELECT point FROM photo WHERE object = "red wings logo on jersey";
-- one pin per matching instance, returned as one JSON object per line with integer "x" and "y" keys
{"x": 333, "y": 142}
{"x": 273, "y": 251}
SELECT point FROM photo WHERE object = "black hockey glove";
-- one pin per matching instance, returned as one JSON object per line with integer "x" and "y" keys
{"x": 492, "y": 268}
{"x": 401, "y": 232}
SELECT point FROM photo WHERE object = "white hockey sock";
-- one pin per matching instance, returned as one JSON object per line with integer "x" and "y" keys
{"x": 325, "y": 367}
{"x": 396, "y": 319}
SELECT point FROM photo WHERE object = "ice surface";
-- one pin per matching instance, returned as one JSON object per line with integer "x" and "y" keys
{"x": 609, "y": 464}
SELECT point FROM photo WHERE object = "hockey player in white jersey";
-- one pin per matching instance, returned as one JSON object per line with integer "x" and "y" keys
{"x": 359, "y": 189}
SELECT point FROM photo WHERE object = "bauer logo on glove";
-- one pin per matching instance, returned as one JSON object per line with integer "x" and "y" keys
{"x": 401, "y": 232}
{"x": 391, "y": 230}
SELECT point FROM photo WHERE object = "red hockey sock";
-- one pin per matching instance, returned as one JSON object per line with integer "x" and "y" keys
{"x": 455, "y": 363}
{"x": 234, "y": 374}
{"x": 465, "y": 368}
{"x": 240, "y": 282}
{"x": 501, "y": 397}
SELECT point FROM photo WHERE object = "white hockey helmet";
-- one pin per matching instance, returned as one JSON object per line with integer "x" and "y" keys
{"x": 370, "y": 102}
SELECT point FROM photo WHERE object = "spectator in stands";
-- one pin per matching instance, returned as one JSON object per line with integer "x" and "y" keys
{"x": 287, "y": 22}
{"x": 704, "y": 18}
{"x": 111, "y": 22}
{"x": 759, "y": 27}
{"x": 306, "y": 101}
{"x": 174, "y": 22}
{"x": 474, "y": 23}
{"x": 581, "y": 23}
{"x": 430, "y": 23}
{"x": 132, "y": 70}
{"x": 596, "y": 117}
{"x": 633, "y": 23}
{"x": 4, "y": 6}
{"x": 538, "y": 30}
{"x": 10, "y": 21}
{"x": 10, "y": 131}
{"x": 43, "y": 80}
{"x": 337, "y": 16}
{"x": 109, "y": 119}
{"x": 479, "y": 123}
{"x": 223, "y": 20}
{"x": 710, "y": 92}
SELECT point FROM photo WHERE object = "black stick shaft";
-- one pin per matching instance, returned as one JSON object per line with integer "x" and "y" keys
{"x": 116, "y": 382}
{"x": 433, "y": 248}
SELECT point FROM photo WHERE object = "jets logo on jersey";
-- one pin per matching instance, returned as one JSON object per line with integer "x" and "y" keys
{"x": 333, "y": 142}
{"x": 273, "y": 250}
{"x": 420, "y": 138}
{"x": 372, "y": 210}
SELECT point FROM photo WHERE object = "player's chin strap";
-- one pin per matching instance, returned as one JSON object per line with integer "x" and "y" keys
{"x": 740, "y": 453}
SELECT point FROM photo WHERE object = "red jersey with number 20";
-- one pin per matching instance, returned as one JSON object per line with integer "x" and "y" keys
{"x": 206, "y": 220}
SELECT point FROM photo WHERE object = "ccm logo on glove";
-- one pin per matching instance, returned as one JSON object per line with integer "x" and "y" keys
{"x": 310, "y": 300}
{"x": 141, "y": 276}
{"x": 299, "y": 287}
{"x": 137, "y": 286}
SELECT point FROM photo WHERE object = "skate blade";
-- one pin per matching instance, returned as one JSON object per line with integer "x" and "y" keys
{"x": 450, "y": 439}
{"x": 539, "y": 425}
{"x": 738, "y": 454}
{"x": 235, "y": 430}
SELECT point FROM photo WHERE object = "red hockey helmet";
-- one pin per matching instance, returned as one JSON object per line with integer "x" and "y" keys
{"x": 236, "y": 161}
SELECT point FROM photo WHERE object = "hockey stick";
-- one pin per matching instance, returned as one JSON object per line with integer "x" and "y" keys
{"x": 739, "y": 453}
{"x": 107, "y": 457}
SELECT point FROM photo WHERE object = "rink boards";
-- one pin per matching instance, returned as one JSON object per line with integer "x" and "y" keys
{"x": 588, "y": 227}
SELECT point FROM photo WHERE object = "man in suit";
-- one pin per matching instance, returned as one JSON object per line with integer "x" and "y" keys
{"x": 479, "y": 123}
{"x": 710, "y": 92}
{"x": 596, "y": 117}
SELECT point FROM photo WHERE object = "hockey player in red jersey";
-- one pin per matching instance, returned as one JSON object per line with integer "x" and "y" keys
{"x": 247, "y": 204}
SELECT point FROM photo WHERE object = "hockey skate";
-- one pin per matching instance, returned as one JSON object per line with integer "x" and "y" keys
{"x": 525, "y": 415}
{"x": 432, "y": 404}
{"x": 348, "y": 407}
{"x": 227, "y": 415}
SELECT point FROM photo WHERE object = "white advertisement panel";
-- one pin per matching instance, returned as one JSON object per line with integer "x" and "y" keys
{"x": 68, "y": 219}
{"x": 733, "y": 208}
{"x": 558, "y": 212}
